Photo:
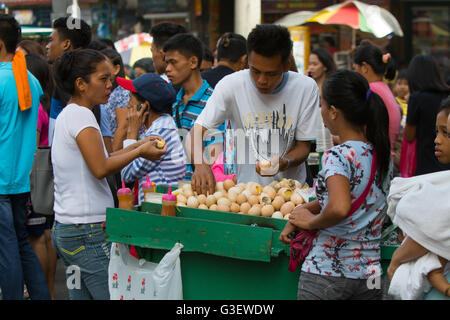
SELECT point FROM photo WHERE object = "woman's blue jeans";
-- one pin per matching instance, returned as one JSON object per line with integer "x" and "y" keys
{"x": 18, "y": 262}
{"x": 85, "y": 254}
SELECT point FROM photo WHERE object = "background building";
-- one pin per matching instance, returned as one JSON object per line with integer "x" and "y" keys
{"x": 424, "y": 23}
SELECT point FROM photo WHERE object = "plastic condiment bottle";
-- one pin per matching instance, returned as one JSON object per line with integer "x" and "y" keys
{"x": 169, "y": 201}
{"x": 125, "y": 197}
{"x": 148, "y": 187}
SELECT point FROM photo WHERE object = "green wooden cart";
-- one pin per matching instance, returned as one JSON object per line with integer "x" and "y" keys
{"x": 225, "y": 255}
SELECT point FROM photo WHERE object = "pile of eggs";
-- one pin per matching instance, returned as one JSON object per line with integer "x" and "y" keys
{"x": 276, "y": 200}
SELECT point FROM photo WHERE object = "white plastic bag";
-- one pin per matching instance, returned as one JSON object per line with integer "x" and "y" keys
{"x": 132, "y": 279}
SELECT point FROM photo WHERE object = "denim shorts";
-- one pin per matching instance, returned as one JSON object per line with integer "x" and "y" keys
{"x": 37, "y": 223}
{"x": 83, "y": 249}
{"x": 317, "y": 287}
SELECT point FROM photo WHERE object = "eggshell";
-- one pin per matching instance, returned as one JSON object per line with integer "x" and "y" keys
{"x": 277, "y": 215}
{"x": 201, "y": 199}
{"x": 210, "y": 200}
{"x": 241, "y": 198}
{"x": 224, "y": 208}
{"x": 286, "y": 208}
{"x": 270, "y": 191}
{"x": 255, "y": 211}
{"x": 224, "y": 202}
{"x": 267, "y": 211}
{"x": 245, "y": 207}
{"x": 278, "y": 202}
{"x": 297, "y": 199}
{"x": 235, "y": 207}
{"x": 228, "y": 184}
{"x": 181, "y": 198}
{"x": 253, "y": 200}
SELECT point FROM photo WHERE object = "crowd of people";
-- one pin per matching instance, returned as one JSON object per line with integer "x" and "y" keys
{"x": 233, "y": 107}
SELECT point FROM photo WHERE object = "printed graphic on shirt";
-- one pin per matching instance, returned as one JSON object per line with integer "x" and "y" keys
{"x": 270, "y": 134}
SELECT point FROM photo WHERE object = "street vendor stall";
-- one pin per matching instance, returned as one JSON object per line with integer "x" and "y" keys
{"x": 225, "y": 255}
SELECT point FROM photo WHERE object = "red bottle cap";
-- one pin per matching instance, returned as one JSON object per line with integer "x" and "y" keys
{"x": 169, "y": 196}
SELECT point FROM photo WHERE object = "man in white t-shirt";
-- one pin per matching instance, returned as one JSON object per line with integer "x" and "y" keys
{"x": 272, "y": 113}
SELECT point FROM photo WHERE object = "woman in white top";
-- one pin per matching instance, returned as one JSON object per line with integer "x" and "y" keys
{"x": 80, "y": 165}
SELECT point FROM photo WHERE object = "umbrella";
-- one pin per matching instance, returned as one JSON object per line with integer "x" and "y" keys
{"x": 360, "y": 16}
{"x": 296, "y": 18}
{"x": 134, "y": 47}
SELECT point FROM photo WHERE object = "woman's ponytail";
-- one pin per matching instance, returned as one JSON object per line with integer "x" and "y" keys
{"x": 377, "y": 131}
{"x": 391, "y": 67}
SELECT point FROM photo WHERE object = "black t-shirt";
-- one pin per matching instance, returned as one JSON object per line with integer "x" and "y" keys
{"x": 213, "y": 76}
{"x": 423, "y": 107}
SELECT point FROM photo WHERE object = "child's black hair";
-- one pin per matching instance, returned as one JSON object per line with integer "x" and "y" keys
{"x": 402, "y": 74}
{"x": 445, "y": 106}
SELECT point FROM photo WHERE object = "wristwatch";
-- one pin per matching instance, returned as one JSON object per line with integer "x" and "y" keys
{"x": 289, "y": 161}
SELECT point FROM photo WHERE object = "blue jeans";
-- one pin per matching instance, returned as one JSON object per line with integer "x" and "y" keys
{"x": 18, "y": 262}
{"x": 84, "y": 251}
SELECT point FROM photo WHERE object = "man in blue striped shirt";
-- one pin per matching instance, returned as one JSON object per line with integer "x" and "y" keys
{"x": 183, "y": 55}
{"x": 150, "y": 104}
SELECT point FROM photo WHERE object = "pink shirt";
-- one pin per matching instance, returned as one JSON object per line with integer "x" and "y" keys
{"x": 395, "y": 117}
{"x": 42, "y": 126}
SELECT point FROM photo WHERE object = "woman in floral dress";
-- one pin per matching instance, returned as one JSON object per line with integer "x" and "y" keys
{"x": 346, "y": 219}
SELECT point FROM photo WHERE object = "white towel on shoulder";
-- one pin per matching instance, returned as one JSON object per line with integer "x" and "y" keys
{"x": 420, "y": 207}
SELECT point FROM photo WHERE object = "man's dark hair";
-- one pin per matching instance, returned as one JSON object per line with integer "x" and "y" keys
{"x": 207, "y": 54}
{"x": 10, "y": 32}
{"x": 108, "y": 43}
{"x": 163, "y": 31}
{"x": 97, "y": 45}
{"x": 186, "y": 44}
{"x": 270, "y": 40}
{"x": 79, "y": 37}
{"x": 231, "y": 47}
